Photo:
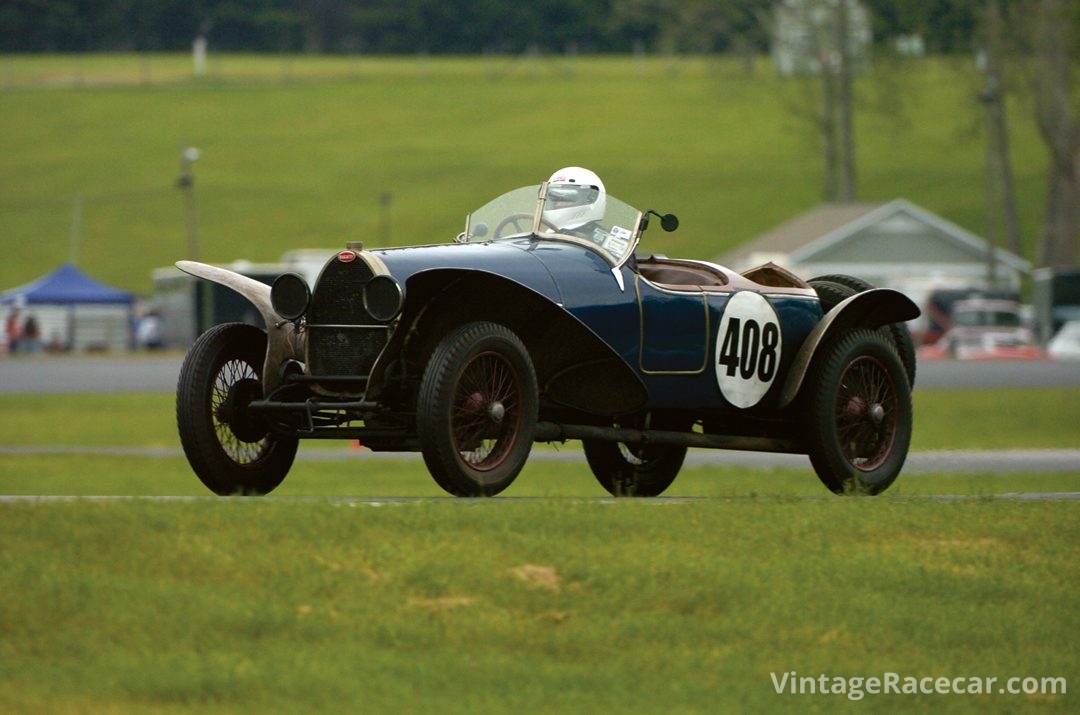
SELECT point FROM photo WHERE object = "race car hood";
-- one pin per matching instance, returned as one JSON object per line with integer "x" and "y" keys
{"x": 550, "y": 268}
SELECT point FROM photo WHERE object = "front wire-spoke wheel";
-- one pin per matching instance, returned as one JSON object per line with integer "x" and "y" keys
{"x": 477, "y": 410}
{"x": 486, "y": 409}
{"x": 858, "y": 413}
{"x": 231, "y": 449}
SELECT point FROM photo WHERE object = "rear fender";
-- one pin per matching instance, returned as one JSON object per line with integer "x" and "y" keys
{"x": 869, "y": 309}
{"x": 280, "y": 343}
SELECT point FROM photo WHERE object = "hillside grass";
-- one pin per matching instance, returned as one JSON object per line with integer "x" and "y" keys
{"x": 298, "y": 152}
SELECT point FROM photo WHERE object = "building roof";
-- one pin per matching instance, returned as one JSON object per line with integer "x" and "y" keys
{"x": 894, "y": 232}
{"x": 792, "y": 235}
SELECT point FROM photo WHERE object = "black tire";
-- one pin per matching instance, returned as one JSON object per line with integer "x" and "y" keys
{"x": 858, "y": 413}
{"x": 477, "y": 410}
{"x": 834, "y": 288}
{"x": 634, "y": 471}
{"x": 231, "y": 450}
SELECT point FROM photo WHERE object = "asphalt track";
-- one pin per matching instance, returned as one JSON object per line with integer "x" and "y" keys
{"x": 151, "y": 373}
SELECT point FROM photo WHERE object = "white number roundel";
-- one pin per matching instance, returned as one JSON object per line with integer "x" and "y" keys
{"x": 747, "y": 349}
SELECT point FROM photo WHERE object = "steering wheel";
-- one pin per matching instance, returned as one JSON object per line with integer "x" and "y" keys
{"x": 514, "y": 220}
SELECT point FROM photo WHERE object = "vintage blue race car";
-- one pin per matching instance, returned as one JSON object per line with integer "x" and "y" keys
{"x": 524, "y": 330}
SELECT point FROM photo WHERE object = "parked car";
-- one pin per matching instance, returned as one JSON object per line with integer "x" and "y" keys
{"x": 540, "y": 323}
{"x": 985, "y": 329}
{"x": 1065, "y": 345}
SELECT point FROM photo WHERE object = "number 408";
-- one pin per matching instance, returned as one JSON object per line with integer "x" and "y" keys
{"x": 750, "y": 348}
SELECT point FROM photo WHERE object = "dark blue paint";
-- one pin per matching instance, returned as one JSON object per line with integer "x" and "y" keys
{"x": 680, "y": 327}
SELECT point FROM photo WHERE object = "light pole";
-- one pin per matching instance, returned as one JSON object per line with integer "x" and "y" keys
{"x": 186, "y": 183}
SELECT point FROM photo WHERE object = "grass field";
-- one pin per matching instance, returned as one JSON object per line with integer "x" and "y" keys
{"x": 538, "y": 607}
{"x": 556, "y": 602}
{"x": 297, "y": 152}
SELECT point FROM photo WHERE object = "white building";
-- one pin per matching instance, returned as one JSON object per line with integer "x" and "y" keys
{"x": 893, "y": 245}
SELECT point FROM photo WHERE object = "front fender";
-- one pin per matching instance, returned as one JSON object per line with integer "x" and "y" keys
{"x": 574, "y": 366}
{"x": 871, "y": 309}
{"x": 280, "y": 344}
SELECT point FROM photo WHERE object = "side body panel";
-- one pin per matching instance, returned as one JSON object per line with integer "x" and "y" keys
{"x": 720, "y": 350}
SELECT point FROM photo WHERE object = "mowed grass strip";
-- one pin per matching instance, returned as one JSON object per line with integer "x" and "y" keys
{"x": 142, "y": 429}
{"x": 944, "y": 419}
{"x": 81, "y": 475}
{"x": 540, "y": 606}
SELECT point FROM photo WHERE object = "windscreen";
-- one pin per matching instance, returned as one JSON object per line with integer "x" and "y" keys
{"x": 604, "y": 223}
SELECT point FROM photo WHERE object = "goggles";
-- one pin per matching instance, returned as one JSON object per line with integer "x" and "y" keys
{"x": 563, "y": 195}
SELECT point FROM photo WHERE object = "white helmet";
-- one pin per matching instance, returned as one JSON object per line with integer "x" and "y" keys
{"x": 575, "y": 196}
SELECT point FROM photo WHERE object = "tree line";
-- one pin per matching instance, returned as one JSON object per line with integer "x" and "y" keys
{"x": 443, "y": 26}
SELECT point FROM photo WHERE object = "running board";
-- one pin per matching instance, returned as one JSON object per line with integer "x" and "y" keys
{"x": 554, "y": 432}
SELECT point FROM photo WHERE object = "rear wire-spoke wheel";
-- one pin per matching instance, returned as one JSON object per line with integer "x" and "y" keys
{"x": 636, "y": 470}
{"x": 231, "y": 449}
{"x": 477, "y": 410}
{"x": 858, "y": 413}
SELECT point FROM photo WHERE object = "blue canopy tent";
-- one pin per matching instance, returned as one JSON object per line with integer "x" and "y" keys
{"x": 74, "y": 310}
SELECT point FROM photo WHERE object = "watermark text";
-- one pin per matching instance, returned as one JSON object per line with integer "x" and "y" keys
{"x": 855, "y": 688}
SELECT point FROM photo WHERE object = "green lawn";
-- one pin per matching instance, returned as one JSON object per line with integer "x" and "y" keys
{"x": 313, "y": 601}
{"x": 551, "y": 606}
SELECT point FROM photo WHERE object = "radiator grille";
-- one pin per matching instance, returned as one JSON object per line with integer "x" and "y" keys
{"x": 343, "y": 339}
{"x": 344, "y": 351}
{"x": 339, "y": 294}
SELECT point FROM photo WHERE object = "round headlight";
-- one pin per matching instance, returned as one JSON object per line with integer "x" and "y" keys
{"x": 383, "y": 298}
{"x": 290, "y": 296}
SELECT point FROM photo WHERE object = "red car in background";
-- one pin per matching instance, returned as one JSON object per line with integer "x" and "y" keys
{"x": 985, "y": 329}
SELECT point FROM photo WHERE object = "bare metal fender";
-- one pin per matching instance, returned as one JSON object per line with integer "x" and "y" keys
{"x": 280, "y": 343}
{"x": 872, "y": 309}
